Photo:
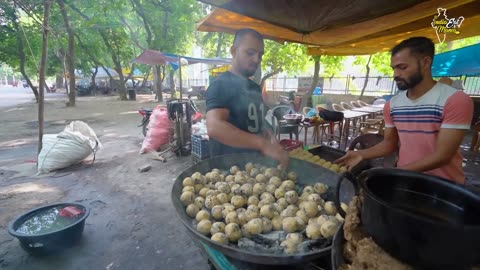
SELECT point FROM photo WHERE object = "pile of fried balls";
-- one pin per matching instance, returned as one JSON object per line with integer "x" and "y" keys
{"x": 258, "y": 200}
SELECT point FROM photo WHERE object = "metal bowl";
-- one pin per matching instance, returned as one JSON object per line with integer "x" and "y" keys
{"x": 293, "y": 119}
{"x": 308, "y": 174}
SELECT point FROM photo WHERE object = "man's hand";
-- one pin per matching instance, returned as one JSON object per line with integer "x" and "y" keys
{"x": 350, "y": 159}
{"x": 276, "y": 151}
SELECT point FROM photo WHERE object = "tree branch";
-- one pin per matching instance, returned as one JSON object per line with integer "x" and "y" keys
{"x": 141, "y": 12}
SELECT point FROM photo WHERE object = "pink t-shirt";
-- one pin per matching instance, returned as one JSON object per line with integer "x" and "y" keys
{"x": 419, "y": 121}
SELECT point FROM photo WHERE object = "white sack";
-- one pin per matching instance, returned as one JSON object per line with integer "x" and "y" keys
{"x": 67, "y": 148}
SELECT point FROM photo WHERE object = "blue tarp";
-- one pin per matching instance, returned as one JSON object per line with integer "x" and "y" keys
{"x": 464, "y": 61}
{"x": 151, "y": 57}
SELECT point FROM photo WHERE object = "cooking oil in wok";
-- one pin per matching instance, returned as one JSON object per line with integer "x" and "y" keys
{"x": 46, "y": 221}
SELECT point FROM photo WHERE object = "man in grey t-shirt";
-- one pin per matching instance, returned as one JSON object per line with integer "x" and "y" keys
{"x": 235, "y": 110}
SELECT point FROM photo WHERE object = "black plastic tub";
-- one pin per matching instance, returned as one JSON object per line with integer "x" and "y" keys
{"x": 51, "y": 242}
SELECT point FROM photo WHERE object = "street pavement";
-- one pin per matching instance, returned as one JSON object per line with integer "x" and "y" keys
{"x": 12, "y": 96}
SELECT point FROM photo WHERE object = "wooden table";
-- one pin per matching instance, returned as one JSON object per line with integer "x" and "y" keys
{"x": 351, "y": 116}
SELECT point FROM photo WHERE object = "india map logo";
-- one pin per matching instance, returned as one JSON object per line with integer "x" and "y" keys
{"x": 444, "y": 25}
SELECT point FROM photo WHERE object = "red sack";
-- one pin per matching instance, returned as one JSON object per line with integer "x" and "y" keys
{"x": 157, "y": 134}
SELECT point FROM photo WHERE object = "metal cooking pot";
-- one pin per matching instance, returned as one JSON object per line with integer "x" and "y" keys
{"x": 337, "y": 249}
{"x": 423, "y": 220}
{"x": 308, "y": 174}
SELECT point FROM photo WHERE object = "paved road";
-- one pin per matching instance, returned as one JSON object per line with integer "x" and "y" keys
{"x": 12, "y": 96}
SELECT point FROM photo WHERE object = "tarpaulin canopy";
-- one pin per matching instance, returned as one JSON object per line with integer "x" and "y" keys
{"x": 135, "y": 74}
{"x": 464, "y": 61}
{"x": 151, "y": 57}
{"x": 342, "y": 27}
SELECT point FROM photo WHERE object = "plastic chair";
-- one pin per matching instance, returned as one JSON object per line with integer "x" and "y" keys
{"x": 345, "y": 106}
{"x": 379, "y": 101}
{"x": 365, "y": 141}
{"x": 278, "y": 112}
{"x": 362, "y": 103}
{"x": 337, "y": 107}
{"x": 372, "y": 126}
{"x": 305, "y": 110}
{"x": 355, "y": 104}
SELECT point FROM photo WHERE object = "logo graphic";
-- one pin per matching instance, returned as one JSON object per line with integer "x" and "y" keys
{"x": 443, "y": 25}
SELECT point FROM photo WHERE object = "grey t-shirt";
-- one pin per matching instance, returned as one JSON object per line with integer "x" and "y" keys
{"x": 243, "y": 98}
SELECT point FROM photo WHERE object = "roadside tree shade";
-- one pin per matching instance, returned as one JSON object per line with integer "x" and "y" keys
{"x": 342, "y": 27}
{"x": 464, "y": 61}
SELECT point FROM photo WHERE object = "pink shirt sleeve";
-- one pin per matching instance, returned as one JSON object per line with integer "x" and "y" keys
{"x": 386, "y": 116}
{"x": 458, "y": 111}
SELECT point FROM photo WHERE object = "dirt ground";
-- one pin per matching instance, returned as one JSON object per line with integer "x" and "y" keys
{"x": 132, "y": 224}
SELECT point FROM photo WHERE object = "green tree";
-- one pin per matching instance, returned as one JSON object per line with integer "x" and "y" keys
{"x": 215, "y": 44}
{"x": 379, "y": 61}
{"x": 168, "y": 26}
{"x": 331, "y": 65}
{"x": 290, "y": 58}
{"x": 21, "y": 38}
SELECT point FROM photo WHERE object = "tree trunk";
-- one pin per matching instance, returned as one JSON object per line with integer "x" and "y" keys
{"x": 157, "y": 76}
{"x": 65, "y": 78}
{"x": 366, "y": 76}
{"x": 219, "y": 45}
{"x": 21, "y": 55}
{"x": 93, "y": 83}
{"x": 43, "y": 65}
{"x": 70, "y": 54}
{"x": 307, "y": 97}
{"x": 269, "y": 75}
{"x": 122, "y": 91}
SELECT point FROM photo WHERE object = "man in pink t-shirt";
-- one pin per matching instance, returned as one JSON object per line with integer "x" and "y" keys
{"x": 426, "y": 123}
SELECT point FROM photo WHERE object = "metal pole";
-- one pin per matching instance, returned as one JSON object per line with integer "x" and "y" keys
{"x": 180, "y": 76}
{"x": 347, "y": 84}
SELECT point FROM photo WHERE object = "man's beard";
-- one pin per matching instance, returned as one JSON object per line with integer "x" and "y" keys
{"x": 410, "y": 82}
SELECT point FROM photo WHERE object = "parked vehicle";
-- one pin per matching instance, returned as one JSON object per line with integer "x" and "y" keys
{"x": 52, "y": 89}
{"x": 83, "y": 90}
{"x": 145, "y": 113}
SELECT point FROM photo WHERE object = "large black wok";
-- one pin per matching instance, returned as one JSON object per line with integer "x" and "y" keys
{"x": 308, "y": 174}
{"x": 425, "y": 221}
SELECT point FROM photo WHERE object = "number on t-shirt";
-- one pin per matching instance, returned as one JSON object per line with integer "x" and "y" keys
{"x": 253, "y": 116}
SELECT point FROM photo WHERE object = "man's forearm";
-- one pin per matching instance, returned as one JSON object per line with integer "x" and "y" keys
{"x": 228, "y": 134}
{"x": 380, "y": 150}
